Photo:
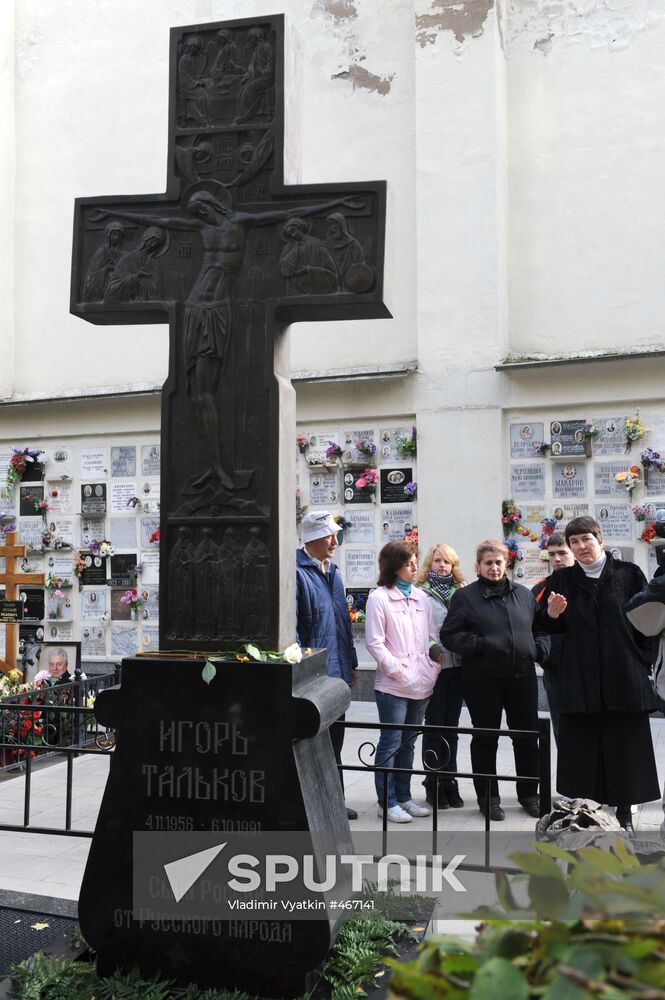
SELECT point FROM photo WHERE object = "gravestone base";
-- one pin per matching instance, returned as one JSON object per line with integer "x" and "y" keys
{"x": 246, "y": 755}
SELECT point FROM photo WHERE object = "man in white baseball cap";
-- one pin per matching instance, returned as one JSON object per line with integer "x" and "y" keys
{"x": 322, "y": 614}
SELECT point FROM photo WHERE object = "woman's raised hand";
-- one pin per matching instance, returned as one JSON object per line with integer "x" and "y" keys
{"x": 556, "y": 605}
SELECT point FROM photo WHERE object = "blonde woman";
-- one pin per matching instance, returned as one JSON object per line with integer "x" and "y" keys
{"x": 440, "y": 576}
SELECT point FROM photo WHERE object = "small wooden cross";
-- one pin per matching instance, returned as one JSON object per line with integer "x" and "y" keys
{"x": 11, "y": 579}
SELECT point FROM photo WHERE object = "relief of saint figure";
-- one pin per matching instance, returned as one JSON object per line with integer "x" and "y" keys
{"x": 306, "y": 262}
{"x": 103, "y": 263}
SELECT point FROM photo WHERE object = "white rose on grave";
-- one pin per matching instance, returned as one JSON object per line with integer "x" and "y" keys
{"x": 293, "y": 653}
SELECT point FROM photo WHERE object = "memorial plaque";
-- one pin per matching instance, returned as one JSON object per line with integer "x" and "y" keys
{"x": 527, "y": 482}
{"x": 11, "y": 612}
{"x": 93, "y": 640}
{"x": 94, "y": 463}
{"x": 123, "y": 531}
{"x": 356, "y": 494}
{"x": 34, "y": 473}
{"x": 60, "y": 499}
{"x": 95, "y": 570}
{"x": 615, "y": 520}
{"x": 566, "y": 511}
{"x": 121, "y": 495}
{"x": 525, "y": 439}
{"x": 569, "y": 479}
{"x": 60, "y": 464}
{"x": 356, "y": 597}
{"x": 362, "y": 525}
{"x": 396, "y": 522}
{"x": 123, "y": 461}
{"x": 29, "y": 499}
{"x": 323, "y": 489}
{"x": 34, "y": 602}
{"x": 605, "y": 485}
{"x": 350, "y": 453}
{"x": 361, "y": 566}
{"x": 92, "y": 530}
{"x": 150, "y": 460}
{"x": 123, "y": 570}
{"x": 387, "y": 450}
{"x": 567, "y": 438}
{"x": 611, "y": 439}
{"x": 93, "y": 603}
{"x": 119, "y": 611}
{"x": 319, "y": 442}
{"x": 93, "y": 498}
{"x": 655, "y": 485}
{"x": 393, "y": 482}
{"x": 124, "y": 639}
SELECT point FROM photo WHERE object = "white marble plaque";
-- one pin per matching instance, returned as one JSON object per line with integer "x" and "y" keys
{"x": 612, "y": 437}
{"x": 362, "y": 525}
{"x": 62, "y": 527}
{"x": 395, "y": 523}
{"x": 58, "y": 631}
{"x": 93, "y": 603}
{"x": 124, "y": 532}
{"x": 349, "y": 441}
{"x": 605, "y": 485}
{"x": 92, "y": 530}
{"x": 94, "y": 463}
{"x": 361, "y": 566}
{"x": 30, "y": 531}
{"x": 60, "y": 464}
{"x": 525, "y": 438}
{"x": 60, "y": 565}
{"x": 93, "y": 640}
{"x": 150, "y": 636}
{"x": 324, "y": 488}
{"x": 616, "y": 520}
{"x": 121, "y": 494}
{"x": 569, "y": 479}
{"x": 386, "y": 447}
{"x": 149, "y": 559}
{"x": 59, "y": 498}
{"x": 124, "y": 639}
{"x": 150, "y": 460}
{"x": 7, "y": 499}
{"x": 148, "y": 527}
{"x": 527, "y": 482}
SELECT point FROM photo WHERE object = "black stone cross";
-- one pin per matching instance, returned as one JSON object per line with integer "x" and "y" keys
{"x": 229, "y": 256}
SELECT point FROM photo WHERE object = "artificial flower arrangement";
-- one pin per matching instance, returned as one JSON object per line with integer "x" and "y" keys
{"x": 79, "y": 566}
{"x": 302, "y": 442}
{"x": 368, "y": 481}
{"x": 513, "y": 553}
{"x": 22, "y": 725}
{"x": 412, "y": 536}
{"x": 41, "y": 507}
{"x": 634, "y": 429}
{"x": 629, "y": 479}
{"x": 366, "y": 448}
{"x": 333, "y": 451}
{"x": 154, "y": 538}
{"x": 133, "y": 599}
{"x": 640, "y": 513}
{"x": 541, "y": 448}
{"x": 590, "y": 431}
{"x": 547, "y": 528}
{"x": 651, "y": 461}
{"x": 407, "y": 444}
{"x": 57, "y": 584}
{"x": 251, "y": 653}
{"x": 411, "y": 490}
{"x": 511, "y": 516}
{"x": 649, "y": 533}
{"x": 357, "y": 616}
{"x": 18, "y": 463}
{"x": 103, "y": 548}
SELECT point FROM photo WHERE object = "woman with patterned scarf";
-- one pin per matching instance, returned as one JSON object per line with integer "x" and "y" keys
{"x": 440, "y": 576}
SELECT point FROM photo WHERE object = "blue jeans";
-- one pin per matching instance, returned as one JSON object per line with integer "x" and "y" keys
{"x": 395, "y": 749}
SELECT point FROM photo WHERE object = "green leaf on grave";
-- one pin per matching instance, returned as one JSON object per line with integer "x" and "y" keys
{"x": 209, "y": 671}
{"x": 255, "y": 653}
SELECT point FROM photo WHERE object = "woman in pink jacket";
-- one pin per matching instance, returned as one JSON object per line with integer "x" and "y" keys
{"x": 401, "y": 636}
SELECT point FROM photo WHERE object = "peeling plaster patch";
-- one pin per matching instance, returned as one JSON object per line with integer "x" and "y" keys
{"x": 465, "y": 18}
{"x": 544, "y": 45}
{"x": 339, "y": 10}
{"x": 574, "y": 23}
{"x": 361, "y": 77}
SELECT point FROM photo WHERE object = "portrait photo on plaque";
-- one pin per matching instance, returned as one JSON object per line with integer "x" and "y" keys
{"x": 93, "y": 498}
{"x": 61, "y": 660}
{"x": 393, "y": 482}
{"x": 567, "y": 437}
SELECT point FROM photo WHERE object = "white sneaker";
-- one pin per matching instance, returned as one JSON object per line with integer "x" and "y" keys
{"x": 413, "y": 808}
{"x": 396, "y": 814}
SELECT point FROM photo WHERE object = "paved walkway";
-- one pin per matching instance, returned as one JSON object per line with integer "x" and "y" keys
{"x": 52, "y": 865}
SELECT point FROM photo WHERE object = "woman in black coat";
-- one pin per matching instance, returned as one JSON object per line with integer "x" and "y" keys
{"x": 490, "y": 623}
{"x": 605, "y": 750}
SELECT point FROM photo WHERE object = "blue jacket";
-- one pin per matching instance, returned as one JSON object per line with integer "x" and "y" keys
{"x": 322, "y": 616}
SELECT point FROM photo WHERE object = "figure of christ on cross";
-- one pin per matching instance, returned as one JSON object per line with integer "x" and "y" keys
{"x": 209, "y": 320}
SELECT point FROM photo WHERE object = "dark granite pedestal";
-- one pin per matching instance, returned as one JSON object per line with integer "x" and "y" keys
{"x": 249, "y": 753}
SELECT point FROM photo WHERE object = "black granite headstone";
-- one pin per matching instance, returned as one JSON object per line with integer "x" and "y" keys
{"x": 228, "y": 256}
{"x": 248, "y": 754}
